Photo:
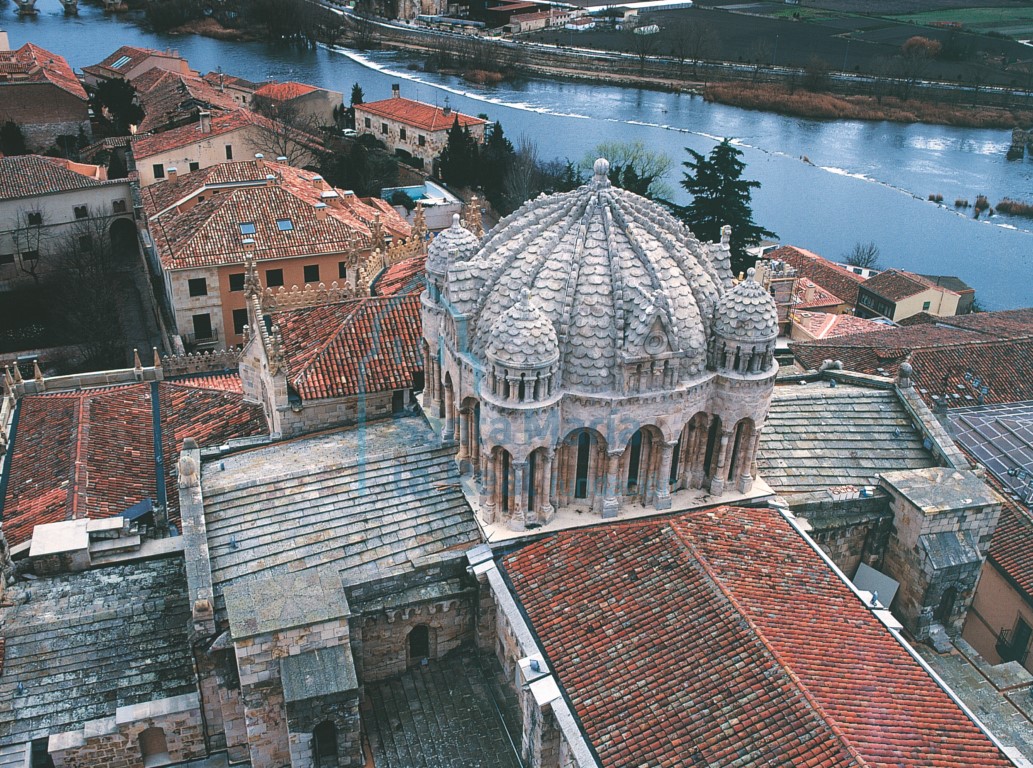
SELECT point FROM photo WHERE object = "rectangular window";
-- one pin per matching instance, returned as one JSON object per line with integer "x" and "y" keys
{"x": 159, "y": 170}
{"x": 312, "y": 273}
{"x": 229, "y": 151}
{"x": 202, "y": 327}
{"x": 30, "y": 255}
{"x": 926, "y": 305}
{"x": 284, "y": 225}
{"x": 368, "y": 123}
{"x": 6, "y": 258}
{"x": 198, "y": 286}
{"x": 401, "y": 134}
{"x": 81, "y": 211}
{"x": 236, "y": 282}
{"x": 35, "y": 218}
{"x": 273, "y": 278}
{"x": 422, "y": 140}
{"x": 194, "y": 166}
{"x": 239, "y": 320}
{"x": 383, "y": 128}
{"x": 247, "y": 227}
{"x": 118, "y": 206}
{"x": 342, "y": 270}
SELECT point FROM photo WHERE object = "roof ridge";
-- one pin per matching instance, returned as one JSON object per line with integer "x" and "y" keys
{"x": 82, "y": 430}
{"x": 811, "y": 700}
{"x": 330, "y": 338}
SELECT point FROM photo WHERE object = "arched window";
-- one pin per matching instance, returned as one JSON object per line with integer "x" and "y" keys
{"x": 675, "y": 461}
{"x": 713, "y": 442}
{"x": 634, "y": 460}
{"x": 419, "y": 643}
{"x": 154, "y": 748}
{"x": 324, "y": 745}
{"x": 945, "y": 609}
{"x": 584, "y": 449}
{"x": 531, "y": 494}
{"x": 522, "y": 389}
{"x": 504, "y": 479}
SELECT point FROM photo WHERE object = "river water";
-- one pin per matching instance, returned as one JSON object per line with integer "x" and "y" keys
{"x": 825, "y": 185}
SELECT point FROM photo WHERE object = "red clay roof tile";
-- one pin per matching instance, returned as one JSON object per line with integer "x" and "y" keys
{"x": 416, "y": 114}
{"x": 832, "y": 277}
{"x": 34, "y": 64}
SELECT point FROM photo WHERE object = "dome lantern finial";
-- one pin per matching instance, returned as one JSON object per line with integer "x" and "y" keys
{"x": 455, "y": 221}
{"x": 601, "y": 169}
{"x": 750, "y": 273}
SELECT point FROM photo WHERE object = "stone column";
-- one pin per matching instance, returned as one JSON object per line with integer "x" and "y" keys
{"x": 696, "y": 454}
{"x": 610, "y": 501}
{"x": 717, "y": 482}
{"x": 448, "y": 432}
{"x": 489, "y": 491}
{"x": 518, "y": 496}
{"x": 548, "y": 485}
{"x": 475, "y": 444}
{"x": 745, "y": 479}
{"x": 435, "y": 375}
{"x": 463, "y": 456}
{"x": 663, "y": 482}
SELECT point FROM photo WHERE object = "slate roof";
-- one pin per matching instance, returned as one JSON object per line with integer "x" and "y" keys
{"x": 91, "y": 453}
{"x": 33, "y": 64}
{"x": 348, "y": 348}
{"x": 170, "y": 99}
{"x": 83, "y": 644}
{"x": 832, "y": 277}
{"x": 404, "y": 278}
{"x": 364, "y": 501}
{"x": 994, "y": 347}
{"x": 817, "y": 437}
{"x": 896, "y": 284}
{"x": 720, "y": 637}
{"x": 425, "y": 117}
{"x": 207, "y": 233}
{"x": 605, "y": 266}
{"x": 31, "y": 175}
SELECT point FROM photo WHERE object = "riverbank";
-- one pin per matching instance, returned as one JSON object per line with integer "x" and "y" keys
{"x": 211, "y": 28}
{"x": 769, "y": 97}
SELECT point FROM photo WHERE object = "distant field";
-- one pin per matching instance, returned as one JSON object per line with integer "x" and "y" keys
{"x": 1009, "y": 20}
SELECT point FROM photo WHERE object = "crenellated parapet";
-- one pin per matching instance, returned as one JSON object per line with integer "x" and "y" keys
{"x": 200, "y": 362}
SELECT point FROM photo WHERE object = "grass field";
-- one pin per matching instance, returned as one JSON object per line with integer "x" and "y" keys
{"x": 1006, "y": 20}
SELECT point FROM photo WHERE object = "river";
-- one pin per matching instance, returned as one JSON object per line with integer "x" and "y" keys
{"x": 825, "y": 185}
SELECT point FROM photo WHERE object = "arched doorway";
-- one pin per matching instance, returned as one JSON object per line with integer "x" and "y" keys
{"x": 580, "y": 468}
{"x": 740, "y": 448}
{"x": 420, "y": 644}
{"x": 153, "y": 747}
{"x": 324, "y": 745}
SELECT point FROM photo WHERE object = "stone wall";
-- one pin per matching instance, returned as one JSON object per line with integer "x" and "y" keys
{"x": 304, "y": 716}
{"x": 44, "y": 112}
{"x": 385, "y": 636}
{"x": 321, "y": 414}
{"x": 114, "y": 742}
{"x": 851, "y": 530}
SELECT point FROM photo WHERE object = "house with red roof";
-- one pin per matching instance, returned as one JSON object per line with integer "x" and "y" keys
{"x": 41, "y": 94}
{"x": 896, "y": 294}
{"x": 203, "y": 226}
{"x": 830, "y": 278}
{"x": 237, "y": 88}
{"x": 220, "y": 138}
{"x": 130, "y": 61}
{"x": 171, "y": 99}
{"x": 310, "y": 104}
{"x": 417, "y": 129}
{"x": 48, "y": 205}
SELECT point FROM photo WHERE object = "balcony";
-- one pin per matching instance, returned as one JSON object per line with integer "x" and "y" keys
{"x": 1012, "y": 647}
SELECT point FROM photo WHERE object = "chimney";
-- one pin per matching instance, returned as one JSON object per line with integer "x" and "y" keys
{"x": 249, "y": 244}
{"x": 396, "y": 91}
{"x": 317, "y": 181}
{"x": 171, "y": 173}
{"x": 320, "y": 211}
{"x": 5, "y": 44}
{"x": 270, "y": 179}
{"x": 447, "y": 109}
{"x": 330, "y": 197}
{"x": 206, "y": 122}
{"x": 281, "y": 159}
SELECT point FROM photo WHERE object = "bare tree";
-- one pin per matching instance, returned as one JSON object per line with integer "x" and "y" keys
{"x": 647, "y": 164}
{"x": 642, "y": 43}
{"x": 864, "y": 255}
{"x": 30, "y": 236}
{"x": 694, "y": 41}
{"x": 916, "y": 56}
{"x": 760, "y": 55}
{"x": 287, "y": 132}
{"x": 523, "y": 180}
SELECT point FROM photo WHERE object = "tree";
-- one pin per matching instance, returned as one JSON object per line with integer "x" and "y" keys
{"x": 117, "y": 168}
{"x": 721, "y": 196}
{"x": 12, "y": 140}
{"x": 31, "y": 235}
{"x": 916, "y": 55}
{"x": 114, "y": 102}
{"x": 692, "y": 40}
{"x": 496, "y": 158}
{"x": 865, "y": 255}
{"x": 288, "y": 132}
{"x": 816, "y": 74}
{"x": 362, "y": 169}
{"x": 642, "y": 43}
{"x": 634, "y": 167}
{"x": 458, "y": 160}
{"x": 357, "y": 94}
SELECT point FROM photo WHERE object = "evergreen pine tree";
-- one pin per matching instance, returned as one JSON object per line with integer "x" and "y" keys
{"x": 357, "y": 94}
{"x": 458, "y": 160}
{"x": 721, "y": 196}
{"x": 12, "y": 140}
{"x": 496, "y": 160}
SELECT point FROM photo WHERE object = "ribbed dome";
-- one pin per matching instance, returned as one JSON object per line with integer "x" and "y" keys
{"x": 616, "y": 275}
{"x": 523, "y": 337}
{"x": 449, "y": 246}
{"x": 747, "y": 313}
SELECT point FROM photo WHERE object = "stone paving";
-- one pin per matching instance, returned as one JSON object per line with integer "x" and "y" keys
{"x": 449, "y": 713}
{"x": 1004, "y": 708}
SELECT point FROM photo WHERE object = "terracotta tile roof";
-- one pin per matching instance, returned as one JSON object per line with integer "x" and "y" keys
{"x": 813, "y": 296}
{"x": 133, "y": 55}
{"x": 284, "y": 91}
{"x": 31, "y": 175}
{"x": 832, "y": 277}
{"x": 159, "y": 143}
{"x": 34, "y": 64}
{"x": 416, "y": 114}
{"x": 226, "y": 381}
{"x": 344, "y": 349}
{"x": 719, "y": 637}
{"x": 404, "y": 278}
{"x": 896, "y": 284}
{"x": 1011, "y": 550}
{"x": 90, "y": 453}
{"x": 208, "y": 233}
{"x": 995, "y": 347}
{"x": 822, "y": 325}
{"x": 170, "y": 99}
{"x": 231, "y": 81}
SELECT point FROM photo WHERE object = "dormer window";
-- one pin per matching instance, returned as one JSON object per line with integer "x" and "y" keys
{"x": 284, "y": 225}
{"x": 247, "y": 228}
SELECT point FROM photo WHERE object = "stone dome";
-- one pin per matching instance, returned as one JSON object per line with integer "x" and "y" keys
{"x": 747, "y": 313}
{"x": 618, "y": 277}
{"x": 449, "y": 246}
{"x": 523, "y": 337}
